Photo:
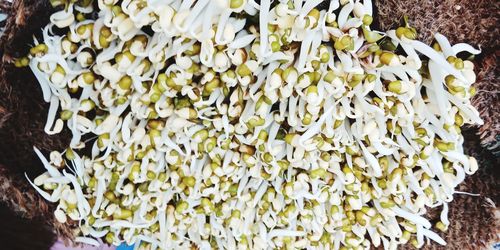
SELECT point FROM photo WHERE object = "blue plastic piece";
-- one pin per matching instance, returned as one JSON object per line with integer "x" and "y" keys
{"x": 124, "y": 246}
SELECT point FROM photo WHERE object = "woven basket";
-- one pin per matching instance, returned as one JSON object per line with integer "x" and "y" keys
{"x": 23, "y": 111}
{"x": 461, "y": 21}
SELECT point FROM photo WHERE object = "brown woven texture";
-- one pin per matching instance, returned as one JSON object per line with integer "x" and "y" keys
{"x": 22, "y": 116}
{"x": 18, "y": 229}
{"x": 473, "y": 224}
{"x": 487, "y": 100}
{"x": 23, "y": 111}
{"x": 475, "y": 22}
{"x": 22, "y": 199}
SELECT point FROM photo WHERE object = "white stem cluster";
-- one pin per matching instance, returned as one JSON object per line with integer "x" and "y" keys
{"x": 239, "y": 125}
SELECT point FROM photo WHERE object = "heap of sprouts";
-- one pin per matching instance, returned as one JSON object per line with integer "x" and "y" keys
{"x": 250, "y": 125}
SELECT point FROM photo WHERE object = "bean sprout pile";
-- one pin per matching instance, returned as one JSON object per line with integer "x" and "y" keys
{"x": 236, "y": 124}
